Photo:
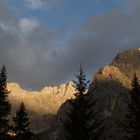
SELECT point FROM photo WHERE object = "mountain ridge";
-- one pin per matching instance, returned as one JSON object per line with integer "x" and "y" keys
{"x": 108, "y": 84}
{"x": 40, "y": 104}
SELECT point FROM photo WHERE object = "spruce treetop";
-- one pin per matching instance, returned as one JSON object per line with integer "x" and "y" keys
{"x": 82, "y": 83}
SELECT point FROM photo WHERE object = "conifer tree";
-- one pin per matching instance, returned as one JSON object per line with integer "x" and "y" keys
{"x": 82, "y": 119}
{"x": 5, "y": 106}
{"x": 93, "y": 119}
{"x": 132, "y": 122}
{"x": 21, "y": 120}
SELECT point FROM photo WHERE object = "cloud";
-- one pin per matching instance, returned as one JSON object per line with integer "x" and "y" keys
{"x": 101, "y": 37}
{"x": 27, "y": 25}
{"x": 38, "y": 56}
{"x": 4, "y": 12}
{"x": 34, "y": 4}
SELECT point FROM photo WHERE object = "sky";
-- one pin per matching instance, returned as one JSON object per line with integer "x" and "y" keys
{"x": 42, "y": 42}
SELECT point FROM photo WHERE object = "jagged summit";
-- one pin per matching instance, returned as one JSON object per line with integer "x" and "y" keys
{"x": 122, "y": 68}
{"x": 15, "y": 87}
{"x": 128, "y": 62}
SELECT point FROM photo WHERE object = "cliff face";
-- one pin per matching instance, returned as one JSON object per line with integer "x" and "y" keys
{"x": 108, "y": 84}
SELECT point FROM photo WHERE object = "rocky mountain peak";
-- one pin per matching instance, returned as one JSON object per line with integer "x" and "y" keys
{"x": 114, "y": 79}
{"x": 128, "y": 62}
{"x": 112, "y": 84}
{"x": 122, "y": 69}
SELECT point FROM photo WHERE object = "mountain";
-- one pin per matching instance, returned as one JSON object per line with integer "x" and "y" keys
{"x": 42, "y": 105}
{"x": 109, "y": 84}
{"x": 116, "y": 77}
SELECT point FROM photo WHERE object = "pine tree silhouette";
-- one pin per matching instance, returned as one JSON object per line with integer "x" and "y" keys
{"x": 81, "y": 121}
{"x": 94, "y": 119}
{"x": 5, "y": 107}
{"x": 21, "y": 120}
{"x": 132, "y": 122}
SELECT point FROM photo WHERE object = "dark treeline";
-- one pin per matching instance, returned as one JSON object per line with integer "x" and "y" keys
{"x": 84, "y": 120}
{"x": 132, "y": 121}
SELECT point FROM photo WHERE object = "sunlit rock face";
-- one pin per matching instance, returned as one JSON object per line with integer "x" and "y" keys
{"x": 43, "y": 105}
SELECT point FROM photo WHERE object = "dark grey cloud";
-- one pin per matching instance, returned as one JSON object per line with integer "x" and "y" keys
{"x": 37, "y": 56}
{"x": 25, "y": 53}
{"x": 98, "y": 41}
